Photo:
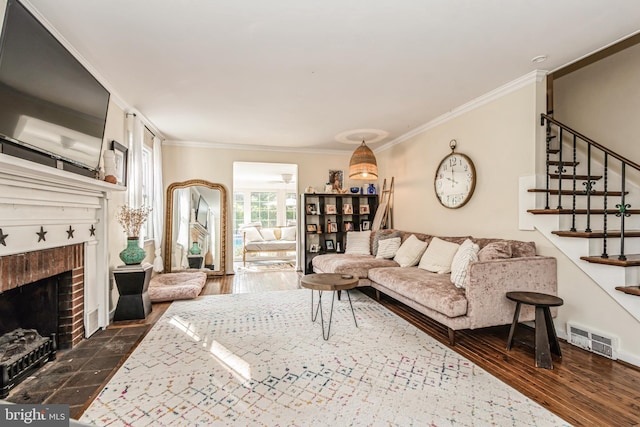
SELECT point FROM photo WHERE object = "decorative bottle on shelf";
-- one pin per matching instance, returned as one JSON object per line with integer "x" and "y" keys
{"x": 371, "y": 189}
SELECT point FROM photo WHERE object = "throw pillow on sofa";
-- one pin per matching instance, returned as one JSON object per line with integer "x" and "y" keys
{"x": 268, "y": 235}
{"x": 252, "y": 235}
{"x": 410, "y": 251}
{"x": 495, "y": 250}
{"x": 388, "y": 248}
{"x": 358, "y": 243}
{"x": 380, "y": 235}
{"x": 288, "y": 233}
{"x": 438, "y": 256}
{"x": 466, "y": 254}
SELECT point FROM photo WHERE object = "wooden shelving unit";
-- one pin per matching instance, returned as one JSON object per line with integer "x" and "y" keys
{"x": 326, "y": 217}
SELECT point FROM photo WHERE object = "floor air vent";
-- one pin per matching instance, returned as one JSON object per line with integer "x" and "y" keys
{"x": 593, "y": 341}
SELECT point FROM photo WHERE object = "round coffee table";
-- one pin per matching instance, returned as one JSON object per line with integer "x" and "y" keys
{"x": 328, "y": 282}
{"x": 546, "y": 340}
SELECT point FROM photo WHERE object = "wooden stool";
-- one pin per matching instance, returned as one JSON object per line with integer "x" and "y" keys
{"x": 546, "y": 341}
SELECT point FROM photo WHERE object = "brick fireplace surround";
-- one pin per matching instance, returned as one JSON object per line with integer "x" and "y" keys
{"x": 21, "y": 269}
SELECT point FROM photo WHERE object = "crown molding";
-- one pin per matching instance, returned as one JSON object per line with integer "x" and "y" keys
{"x": 238, "y": 147}
{"x": 532, "y": 77}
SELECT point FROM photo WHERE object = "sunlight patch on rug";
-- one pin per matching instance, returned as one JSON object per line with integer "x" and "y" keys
{"x": 257, "y": 359}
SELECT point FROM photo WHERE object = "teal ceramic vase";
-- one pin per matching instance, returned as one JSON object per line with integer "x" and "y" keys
{"x": 195, "y": 249}
{"x": 133, "y": 253}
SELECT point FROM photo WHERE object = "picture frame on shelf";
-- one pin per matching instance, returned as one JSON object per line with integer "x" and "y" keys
{"x": 314, "y": 248}
{"x": 364, "y": 210}
{"x": 365, "y": 225}
{"x": 121, "y": 156}
{"x": 336, "y": 180}
{"x": 312, "y": 228}
{"x": 311, "y": 209}
{"x": 347, "y": 209}
{"x": 332, "y": 227}
{"x": 348, "y": 226}
{"x": 329, "y": 245}
{"x": 330, "y": 209}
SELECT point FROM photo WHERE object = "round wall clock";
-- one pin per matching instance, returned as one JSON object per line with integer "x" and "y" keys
{"x": 455, "y": 179}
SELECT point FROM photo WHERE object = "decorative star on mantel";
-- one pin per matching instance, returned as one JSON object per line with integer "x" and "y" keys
{"x": 92, "y": 230}
{"x": 70, "y": 232}
{"x": 2, "y": 238}
{"x": 42, "y": 234}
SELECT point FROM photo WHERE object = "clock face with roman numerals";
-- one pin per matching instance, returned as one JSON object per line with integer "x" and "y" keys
{"x": 455, "y": 180}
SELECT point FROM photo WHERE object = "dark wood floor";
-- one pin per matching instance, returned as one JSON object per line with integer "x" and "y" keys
{"x": 583, "y": 388}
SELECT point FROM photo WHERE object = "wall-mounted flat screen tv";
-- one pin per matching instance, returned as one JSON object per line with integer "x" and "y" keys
{"x": 49, "y": 103}
{"x": 202, "y": 214}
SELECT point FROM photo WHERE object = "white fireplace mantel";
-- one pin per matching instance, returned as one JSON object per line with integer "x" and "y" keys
{"x": 42, "y": 207}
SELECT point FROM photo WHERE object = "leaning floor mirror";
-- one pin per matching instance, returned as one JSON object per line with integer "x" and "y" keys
{"x": 196, "y": 227}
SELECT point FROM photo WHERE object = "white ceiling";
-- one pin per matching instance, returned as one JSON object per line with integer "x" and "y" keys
{"x": 295, "y": 74}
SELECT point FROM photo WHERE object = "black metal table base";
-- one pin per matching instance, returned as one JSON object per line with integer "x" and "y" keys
{"x": 318, "y": 308}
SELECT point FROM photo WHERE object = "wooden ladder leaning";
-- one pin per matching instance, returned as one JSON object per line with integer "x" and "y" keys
{"x": 383, "y": 217}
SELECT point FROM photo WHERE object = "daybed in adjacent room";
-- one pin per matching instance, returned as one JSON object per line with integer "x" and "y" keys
{"x": 276, "y": 242}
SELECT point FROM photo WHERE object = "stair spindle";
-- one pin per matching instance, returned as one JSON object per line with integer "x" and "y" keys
{"x": 589, "y": 185}
{"x": 622, "y": 213}
{"x": 604, "y": 206}
{"x": 548, "y": 140}
{"x": 560, "y": 169}
{"x": 573, "y": 205}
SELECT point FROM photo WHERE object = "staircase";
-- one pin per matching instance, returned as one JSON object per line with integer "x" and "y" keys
{"x": 588, "y": 194}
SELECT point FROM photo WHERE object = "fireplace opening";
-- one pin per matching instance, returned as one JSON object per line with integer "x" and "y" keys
{"x": 32, "y": 306}
{"x": 28, "y": 328}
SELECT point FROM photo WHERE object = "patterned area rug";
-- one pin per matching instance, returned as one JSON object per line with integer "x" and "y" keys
{"x": 257, "y": 359}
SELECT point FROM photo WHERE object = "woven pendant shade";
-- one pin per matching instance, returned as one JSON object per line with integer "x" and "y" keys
{"x": 363, "y": 164}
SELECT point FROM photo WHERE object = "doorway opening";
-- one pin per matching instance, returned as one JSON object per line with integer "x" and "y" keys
{"x": 265, "y": 216}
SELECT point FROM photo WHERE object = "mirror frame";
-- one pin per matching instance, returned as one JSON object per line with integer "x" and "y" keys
{"x": 168, "y": 232}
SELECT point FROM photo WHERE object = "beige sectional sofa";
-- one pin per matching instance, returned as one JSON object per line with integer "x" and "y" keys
{"x": 502, "y": 266}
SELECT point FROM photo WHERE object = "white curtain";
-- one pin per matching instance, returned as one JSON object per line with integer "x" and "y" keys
{"x": 135, "y": 129}
{"x": 184, "y": 216}
{"x": 158, "y": 205}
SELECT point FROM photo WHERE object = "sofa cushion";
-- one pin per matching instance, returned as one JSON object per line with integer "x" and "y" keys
{"x": 466, "y": 254}
{"x": 252, "y": 235}
{"x": 495, "y": 250}
{"x": 438, "y": 256}
{"x": 358, "y": 243}
{"x": 410, "y": 252}
{"x": 382, "y": 235}
{"x": 522, "y": 249}
{"x": 272, "y": 246}
{"x": 288, "y": 233}
{"x": 267, "y": 234}
{"x": 358, "y": 265}
{"x": 432, "y": 290}
{"x": 388, "y": 248}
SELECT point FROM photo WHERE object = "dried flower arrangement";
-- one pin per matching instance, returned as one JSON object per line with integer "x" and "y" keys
{"x": 132, "y": 219}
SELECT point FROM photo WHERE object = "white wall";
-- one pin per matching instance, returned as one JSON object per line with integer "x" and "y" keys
{"x": 500, "y": 139}
{"x": 602, "y": 101}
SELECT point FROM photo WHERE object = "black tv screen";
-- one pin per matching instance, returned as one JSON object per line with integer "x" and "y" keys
{"x": 48, "y": 101}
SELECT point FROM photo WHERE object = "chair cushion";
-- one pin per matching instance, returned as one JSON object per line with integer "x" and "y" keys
{"x": 174, "y": 286}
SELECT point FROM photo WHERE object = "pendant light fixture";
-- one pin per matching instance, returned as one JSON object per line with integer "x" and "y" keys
{"x": 363, "y": 164}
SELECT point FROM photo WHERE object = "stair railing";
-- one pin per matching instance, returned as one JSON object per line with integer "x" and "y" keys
{"x": 622, "y": 209}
